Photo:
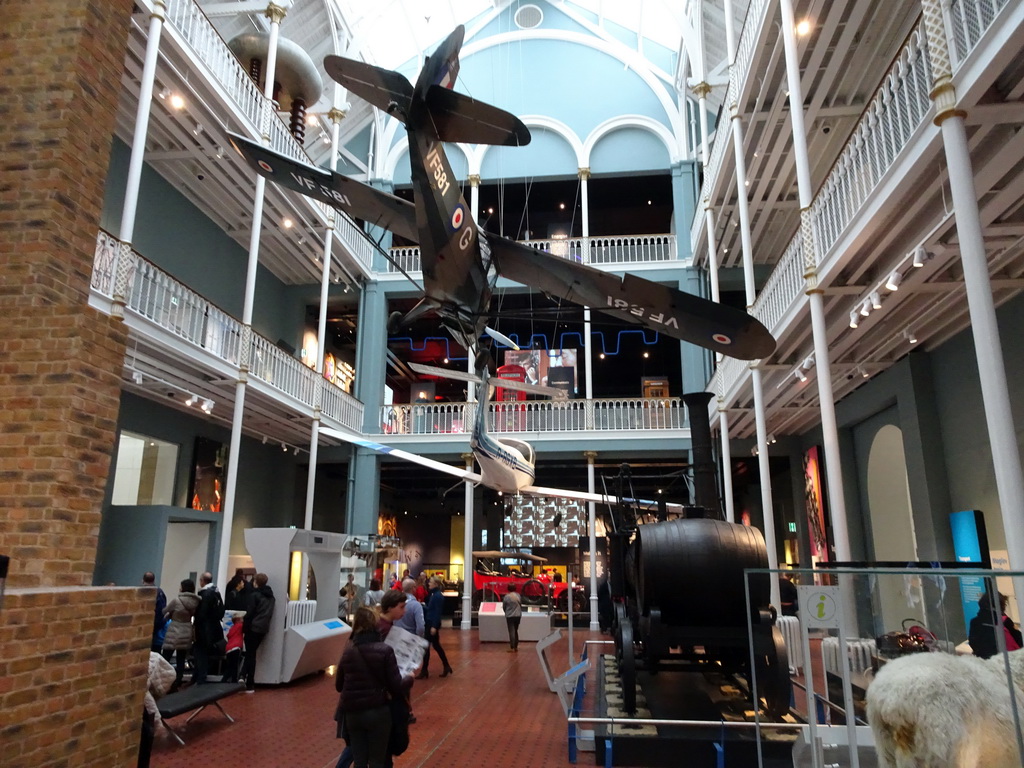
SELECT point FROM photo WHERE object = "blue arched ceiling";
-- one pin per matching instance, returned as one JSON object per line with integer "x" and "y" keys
{"x": 627, "y": 150}
{"x": 547, "y": 155}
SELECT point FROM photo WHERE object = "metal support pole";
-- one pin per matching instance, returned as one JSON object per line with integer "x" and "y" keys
{"x": 819, "y": 330}
{"x": 276, "y": 14}
{"x": 467, "y": 545}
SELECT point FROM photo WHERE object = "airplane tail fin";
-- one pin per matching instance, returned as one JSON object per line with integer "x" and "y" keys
{"x": 461, "y": 118}
{"x": 384, "y": 88}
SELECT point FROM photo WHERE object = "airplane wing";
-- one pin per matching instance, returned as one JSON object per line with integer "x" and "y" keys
{"x": 415, "y": 458}
{"x": 461, "y": 118}
{"x": 385, "y": 89}
{"x": 680, "y": 315}
{"x": 358, "y": 200}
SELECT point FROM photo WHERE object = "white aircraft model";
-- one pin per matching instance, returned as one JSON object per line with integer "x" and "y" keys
{"x": 506, "y": 464}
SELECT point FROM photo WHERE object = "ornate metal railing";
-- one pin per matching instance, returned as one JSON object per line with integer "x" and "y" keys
{"x": 968, "y": 21}
{"x": 604, "y": 250}
{"x": 603, "y": 414}
{"x": 190, "y": 24}
{"x": 896, "y": 114}
{"x": 135, "y": 285}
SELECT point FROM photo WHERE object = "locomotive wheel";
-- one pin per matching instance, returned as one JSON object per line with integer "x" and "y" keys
{"x": 533, "y": 592}
{"x": 484, "y": 596}
{"x": 773, "y": 683}
{"x": 627, "y": 663}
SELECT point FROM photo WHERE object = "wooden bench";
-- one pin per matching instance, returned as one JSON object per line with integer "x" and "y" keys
{"x": 197, "y": 698}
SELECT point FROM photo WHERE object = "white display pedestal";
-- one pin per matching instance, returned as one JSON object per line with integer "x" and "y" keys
{"x": 535, "y": 625}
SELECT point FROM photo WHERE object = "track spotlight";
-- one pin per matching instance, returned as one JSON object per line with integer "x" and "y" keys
{"x": 771, "y": 439}
{"x": 296, "y": 450}
{"x": 753, "y": 451}
{"x": 207, "y": 405}
{"x": 192, "y": 400}
{"x": 284, "y": 447}
{"x": 910, "y": 336}
{"x": 865, "y": 307}
{"x": 876, "y": 300}
{"x": 800, "y": 375}
{"x": 854, "y": 318}
{"x": 920, "y": 256}
{"x": 219, "y": 152}
{"x": 177, "y": 101}
{"x": 264, "y": 439}
{"x": 137, "y": 377}
{"x": 165, "y": 93}
{"x": 894, "y": 280}
{"x": 197, "y": 129}
{"x": 809, "y": 362}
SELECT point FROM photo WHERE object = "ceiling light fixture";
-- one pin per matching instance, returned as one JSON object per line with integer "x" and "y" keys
{"x": 197, "y": 129}
{"x": 920, "y": 256}
{"x": 137, "y": 377}
{"x": 863, "y": 371}
{"x": 800, "y": 375}
{"x": 192, "y": 400}
{"x": 809, "y": 361}
{"x": 296, "y": 450}
{"x": 854, "y": 318}
{"x": 865, "y": 307}
{"x": 803, "y": 27}
{"x": 910, "y": 336}
{"x": 177, "y": 101}
{"x": 207, "y": 405}
{"x": 771, "y": 438}
{"x": 264, "y": 439}
{"x": 894, "y": 280}
{"x": 876, "y": 300}
{"x": 219, "y": 152}
{"x": 287, "y": 223}
{"x": 284, "y": 447}
{"x": 165, "y": 93}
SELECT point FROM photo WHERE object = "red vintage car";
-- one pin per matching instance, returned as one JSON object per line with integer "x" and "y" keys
{"x": 491, "y": 579}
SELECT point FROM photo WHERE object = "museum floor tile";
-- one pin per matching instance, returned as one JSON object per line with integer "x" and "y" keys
{"x": 494, "y": 711}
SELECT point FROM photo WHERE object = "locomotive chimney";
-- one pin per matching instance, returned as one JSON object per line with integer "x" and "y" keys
{"x": 705, "y": 483}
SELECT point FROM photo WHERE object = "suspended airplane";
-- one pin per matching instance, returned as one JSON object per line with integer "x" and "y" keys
{"x": 460, "y": 262}
{"x": 506, "y": 464}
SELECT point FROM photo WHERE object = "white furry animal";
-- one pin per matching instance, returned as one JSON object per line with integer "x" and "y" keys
{"x": 936, "y": 710}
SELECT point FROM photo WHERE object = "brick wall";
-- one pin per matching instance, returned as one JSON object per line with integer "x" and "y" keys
{"x": 60, "y": 361}
{"x": 73, "y": 659}
{"x": 73, "y": 671}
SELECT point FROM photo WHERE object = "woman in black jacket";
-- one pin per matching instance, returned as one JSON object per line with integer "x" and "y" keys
{"x": 367, "y": 679}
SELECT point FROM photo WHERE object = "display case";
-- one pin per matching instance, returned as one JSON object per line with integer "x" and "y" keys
{"x": 888, "y": 657}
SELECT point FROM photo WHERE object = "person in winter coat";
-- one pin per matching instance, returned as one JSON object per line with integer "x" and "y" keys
{"x": 432, "y": 623}
{"x": 257, "y": 625}
{"x": 209, "y": 632}
{"x": 367, "y": 680}
{"x": 178, "y": 639}
{"x": 512, "y": 605}
{"x": 161, "y": 678}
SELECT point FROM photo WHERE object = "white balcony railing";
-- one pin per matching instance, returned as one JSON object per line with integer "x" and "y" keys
{"x": 124, "y": 277}
{"x": 605, "y": 414}
{"x": 895, "y": 116}
{"x": 190, "y": 24}
{"x": 604, "y": 250}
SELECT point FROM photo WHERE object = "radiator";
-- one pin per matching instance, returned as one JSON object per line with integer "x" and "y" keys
{"x": 300, "y": 612}
{"x": 790, "y": 627}
{"x": 859, "y": 650}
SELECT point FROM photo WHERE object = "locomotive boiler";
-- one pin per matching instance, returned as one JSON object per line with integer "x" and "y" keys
{"x": 681, "y": 597}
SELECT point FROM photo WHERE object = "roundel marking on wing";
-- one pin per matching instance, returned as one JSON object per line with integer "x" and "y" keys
{"x": 721, "y": 338}
{"x": 458, "y": 216}
{"x": 265, "y": 166}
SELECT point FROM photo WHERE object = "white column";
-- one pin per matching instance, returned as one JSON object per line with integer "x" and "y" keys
{"x": 588, "y": 349}
{"x": 134, "y": 181}
{"x": 467, "y": 546}
{"x": 764, "y": 468}
{"x": 595, "y": 624}
{"x": 819, "y": 329}
{"x": 984, "y": 328}
{"x": 275, "y": 13}
{"x": 474, "y": 208}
